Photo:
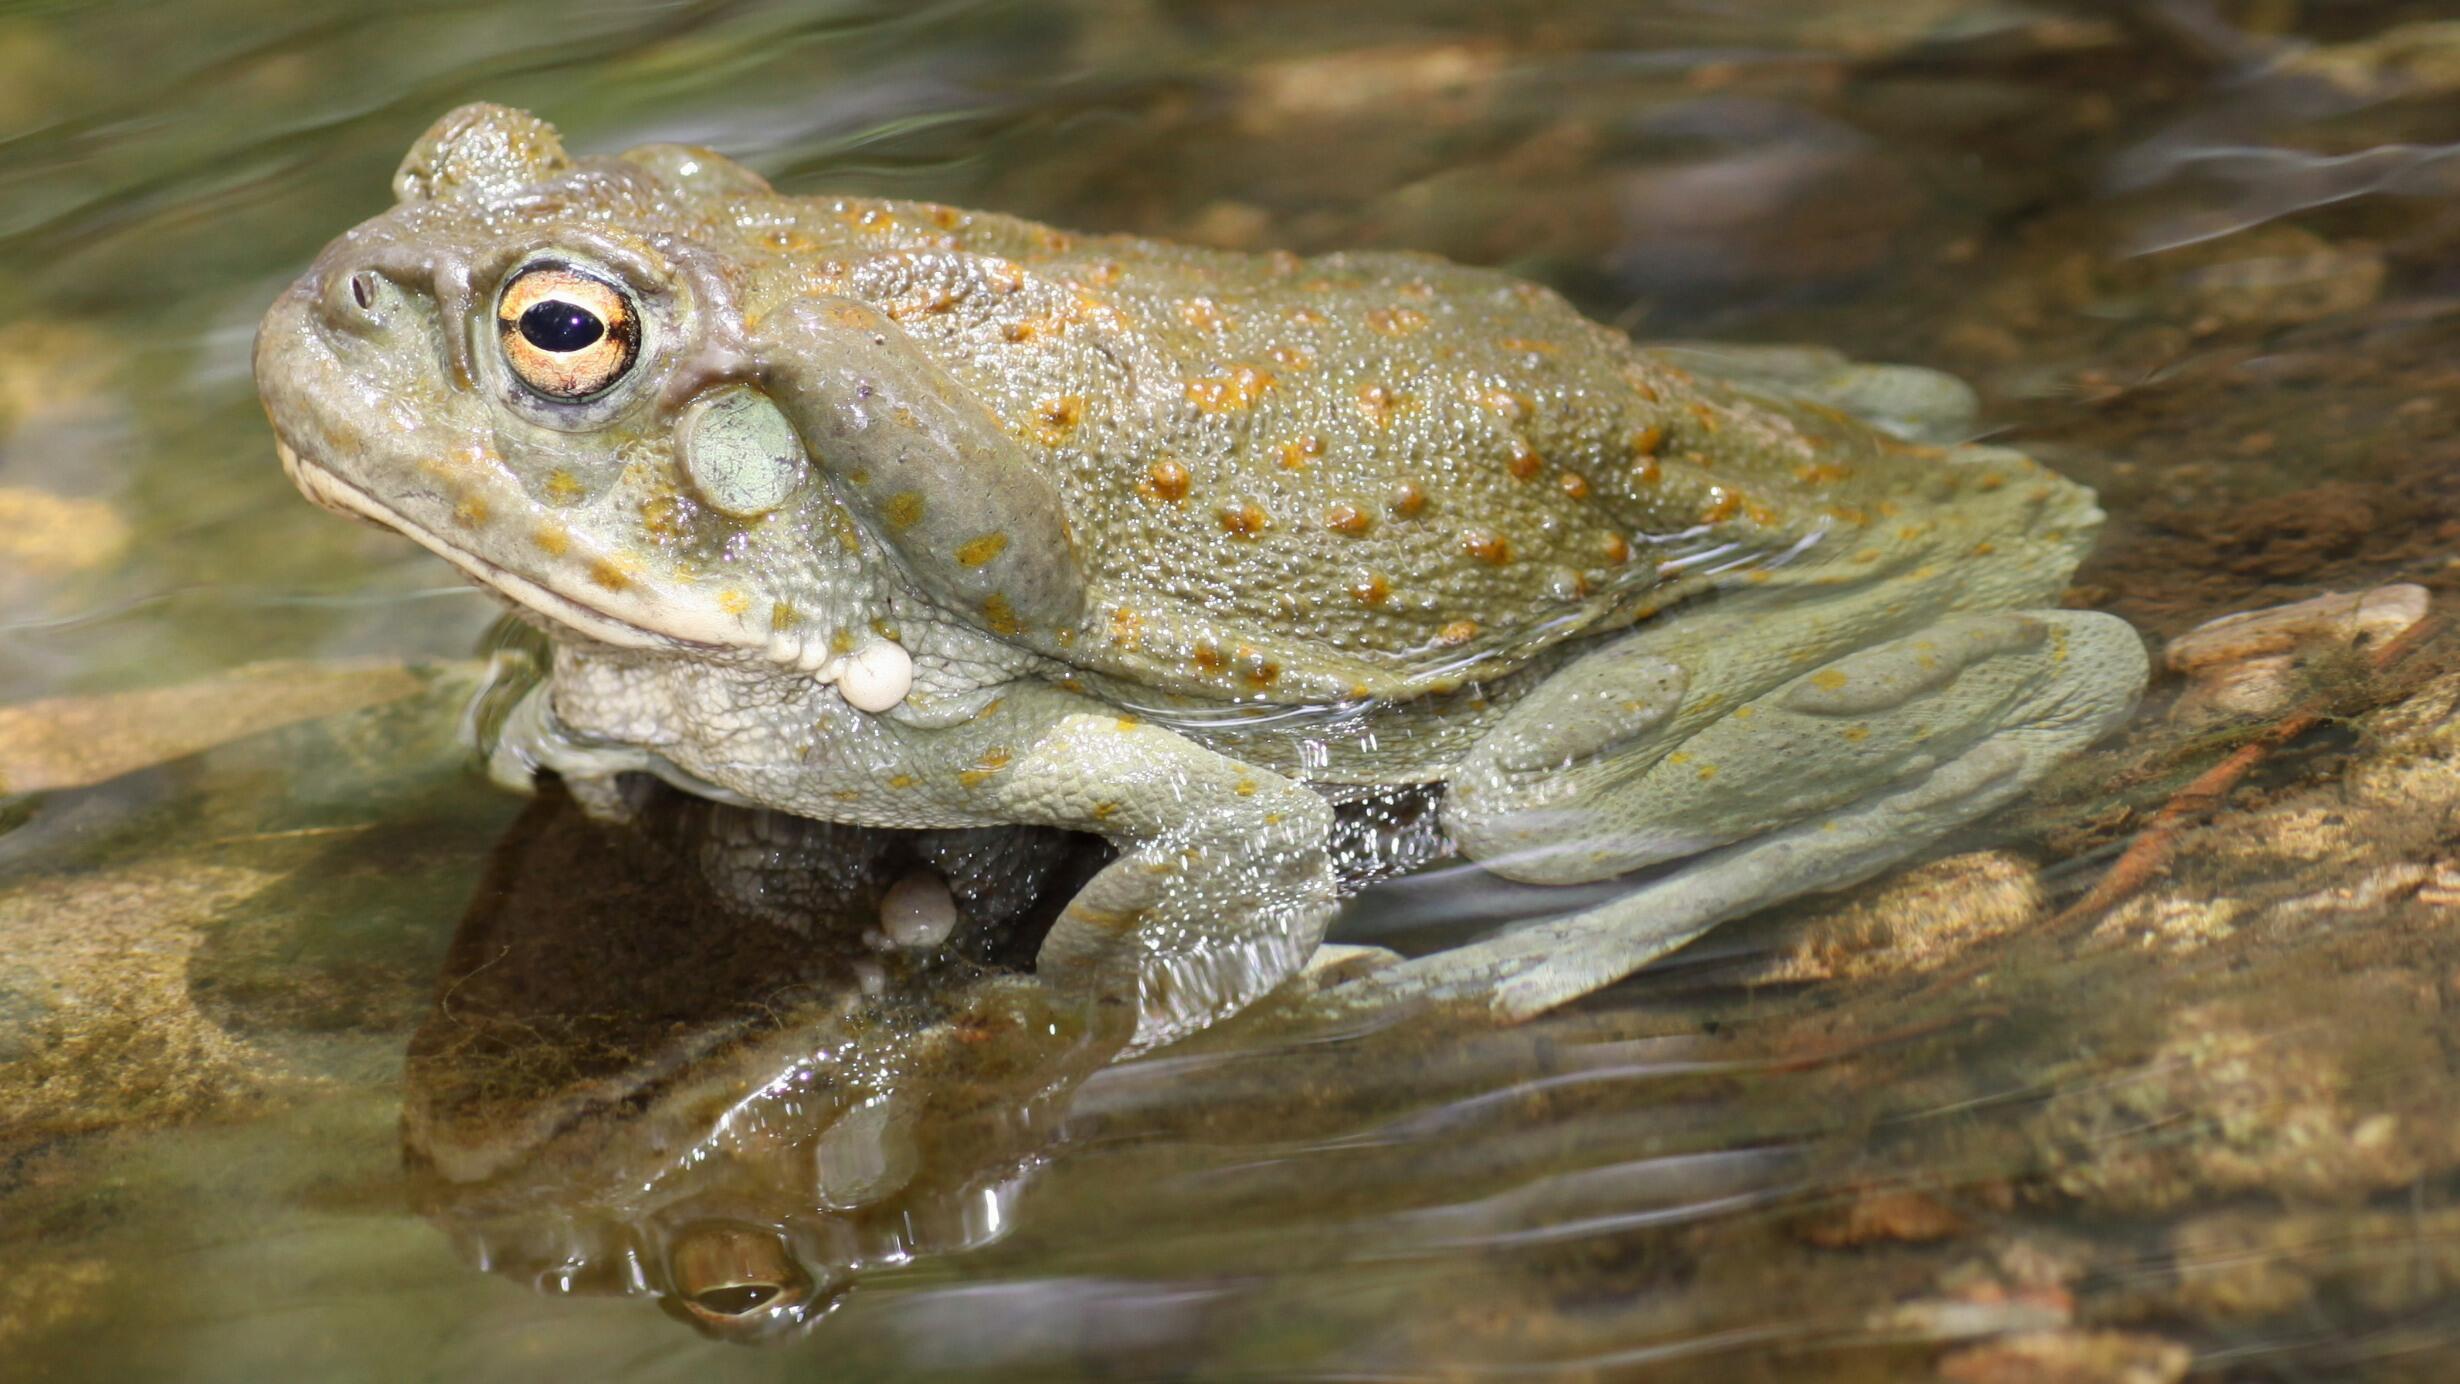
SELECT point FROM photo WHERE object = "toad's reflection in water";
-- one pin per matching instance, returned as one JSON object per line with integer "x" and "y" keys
{"x": 733, "y": 1060}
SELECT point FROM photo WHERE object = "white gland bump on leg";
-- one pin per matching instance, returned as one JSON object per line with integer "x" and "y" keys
{"x": 918, "y": 911}
{"x": 875, "y": 677}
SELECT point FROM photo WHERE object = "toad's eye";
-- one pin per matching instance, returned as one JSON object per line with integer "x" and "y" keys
{"x": 568, "y": 335}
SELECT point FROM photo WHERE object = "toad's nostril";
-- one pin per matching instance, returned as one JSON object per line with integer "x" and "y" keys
{"x": 353, "y": 300}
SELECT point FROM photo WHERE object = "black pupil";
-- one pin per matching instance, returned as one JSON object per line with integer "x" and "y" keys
{"x": 558, "y": 326}
{"x": 736, "y": 1300}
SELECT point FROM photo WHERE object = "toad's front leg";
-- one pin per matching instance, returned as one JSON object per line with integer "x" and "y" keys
{"x": 1223, "y": 885}
{"x": 1224, "y": 881}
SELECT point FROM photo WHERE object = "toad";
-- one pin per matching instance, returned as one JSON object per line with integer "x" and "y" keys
{"x": 897, "y": 514}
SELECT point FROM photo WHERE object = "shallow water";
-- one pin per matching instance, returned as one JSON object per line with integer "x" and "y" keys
{"x": 321, "y": 1057}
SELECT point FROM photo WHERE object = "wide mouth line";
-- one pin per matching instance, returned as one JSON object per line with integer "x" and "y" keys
{"x": 320, "y": 484}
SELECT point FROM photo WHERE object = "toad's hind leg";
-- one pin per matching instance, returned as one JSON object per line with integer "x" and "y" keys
{"x": 1828, "y": 779}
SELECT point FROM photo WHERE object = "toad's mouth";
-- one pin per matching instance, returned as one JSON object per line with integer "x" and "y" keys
{"x": 340, "y": 496}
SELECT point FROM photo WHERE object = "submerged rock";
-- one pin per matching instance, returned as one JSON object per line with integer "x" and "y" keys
{"x": 2250, "y": 664}
{"x": 70, "y": 742}
{"x": 1910, "y": 923}
{"x": 2070, "y": 1357}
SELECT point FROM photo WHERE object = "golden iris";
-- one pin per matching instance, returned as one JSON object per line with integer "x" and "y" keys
{"x": 568, "y": 334}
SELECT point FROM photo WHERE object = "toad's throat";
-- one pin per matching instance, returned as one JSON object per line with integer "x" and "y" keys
{"x": 873, "y": 678}
{"x": 334, "y": 493}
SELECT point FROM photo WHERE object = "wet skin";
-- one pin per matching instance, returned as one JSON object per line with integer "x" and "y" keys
{"x": 895, "y": 514}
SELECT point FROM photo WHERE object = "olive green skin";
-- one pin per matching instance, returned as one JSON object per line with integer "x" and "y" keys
{"x": 1264, "y": 521}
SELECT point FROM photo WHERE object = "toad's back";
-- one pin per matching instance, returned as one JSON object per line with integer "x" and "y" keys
{"x": 1296, "y": 479}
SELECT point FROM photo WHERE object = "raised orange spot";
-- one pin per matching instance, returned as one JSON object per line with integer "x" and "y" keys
{"x": 1242, "y": 521}
{"x": 562, "y": 486}
{"x": 1238, "y": 389}
{"x": 1515, "y": 407}
{"x": 1055, "y": 418}
{"x": 664, "y": 515}
{"x": 1379, "y": 403}
{"x": 1618, "y": 549}
{"x": 1164, "y": 480}
{"x": 1396, "y": 321}
{"x": 1292, "y": 357}
{"x": 976, "y": 551}
{"x": 552, "y": 539}
{"x": 1407, "y": 499}
{"x": 1208, "y": 659}
{"x": 1487, "y": 546}
{"x": 1574, "y": 485}
{"x": 1348, "y": 519}
{"x": 610, "y": 573}
{"x": 1372, "y": 589}
{"x": 903, "y": 510}
{"x": 1525, "y": 462}
{"x": 471, "y": 510}
{"x": 1296, "y": 454}
{"x": 733, "y": 602}
{"x": 1256, "y": 669}
{"x": 991, "y": 762}
{"x": 939, "y": 301}
{"x": 1203, "y": 314}
{"x": 1457, "y": 633}
{"x": 999, "y": 616}
{"x": 1646, "y": 441}
{"x": 841, "y": 528}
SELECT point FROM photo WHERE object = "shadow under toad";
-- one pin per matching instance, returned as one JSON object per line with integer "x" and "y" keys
{"x": 733, "y": 1060}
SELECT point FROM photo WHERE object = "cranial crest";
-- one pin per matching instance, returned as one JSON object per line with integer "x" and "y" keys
{"x": 479, "y": 150}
